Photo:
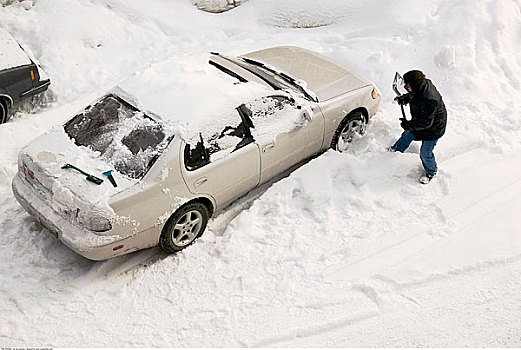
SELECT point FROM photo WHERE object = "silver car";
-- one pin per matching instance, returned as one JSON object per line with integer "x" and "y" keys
{"x": 149, "y": 163}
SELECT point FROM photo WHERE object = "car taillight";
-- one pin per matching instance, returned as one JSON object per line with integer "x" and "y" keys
{"x": 29, "y": 175}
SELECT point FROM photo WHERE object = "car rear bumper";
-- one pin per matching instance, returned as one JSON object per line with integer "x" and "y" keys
{"x": 82, "y": 241}
{"x": 37, "y": 89}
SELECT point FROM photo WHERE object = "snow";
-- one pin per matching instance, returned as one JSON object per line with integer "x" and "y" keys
{"x": 217, "y": 5}
{"x": 270, "y": 116}
{"x": 347, "y": 251}
{"x": 11, "y": 55}
{"x": 200, "y": 98}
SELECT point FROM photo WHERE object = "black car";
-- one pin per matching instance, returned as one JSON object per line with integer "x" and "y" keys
{"x": 20, "y": 76}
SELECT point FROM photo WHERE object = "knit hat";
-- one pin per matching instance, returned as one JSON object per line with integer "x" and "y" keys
{"x": 414, "y": 78}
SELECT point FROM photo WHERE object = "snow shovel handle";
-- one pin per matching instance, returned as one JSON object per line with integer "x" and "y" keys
{"x": 397, "y": 77}
{"x": 403, "y": 112}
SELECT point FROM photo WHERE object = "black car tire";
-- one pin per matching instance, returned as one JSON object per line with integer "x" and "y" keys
{"x": 184, "y": 227}
{"x": 3, "y": 112}
{"x": 353, "y": 123}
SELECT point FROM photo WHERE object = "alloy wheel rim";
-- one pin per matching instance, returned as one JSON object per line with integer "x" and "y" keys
{"x": 3, "y": 114}
{"x": 187, "y": 228}
{"x": 354, "y": 127}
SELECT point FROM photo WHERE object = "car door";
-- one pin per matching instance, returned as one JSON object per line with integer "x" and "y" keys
{"x": 286, "y": 132}
{"x": 224, "y": 165}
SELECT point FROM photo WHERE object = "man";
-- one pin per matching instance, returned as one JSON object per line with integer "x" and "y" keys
{"x": 429, "y": 119}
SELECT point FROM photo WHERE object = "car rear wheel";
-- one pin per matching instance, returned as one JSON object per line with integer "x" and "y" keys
{"x": 351, "y": 126}
{"x": 184, "y": 227}
{"x": 3, "y": 112}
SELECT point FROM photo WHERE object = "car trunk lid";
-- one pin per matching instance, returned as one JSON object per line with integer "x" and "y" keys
{"x": 70, "y": 165}
{"x": 66, "y": 189}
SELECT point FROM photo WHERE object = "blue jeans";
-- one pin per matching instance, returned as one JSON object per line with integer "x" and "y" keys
{"x": 426, "y": 155}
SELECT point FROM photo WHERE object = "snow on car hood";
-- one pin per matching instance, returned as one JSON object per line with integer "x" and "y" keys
{"x": 189, "y": 94}
{"x": 11, "y": 55}
{"x": 323, "y": 76}
{"x": 67, "y": 189}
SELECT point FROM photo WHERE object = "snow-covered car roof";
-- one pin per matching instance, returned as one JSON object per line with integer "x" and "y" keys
{"x": 189, "y": 94}
{"x": 11, "y": 55}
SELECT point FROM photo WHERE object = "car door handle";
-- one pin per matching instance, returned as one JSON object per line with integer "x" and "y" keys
{"x": 267, "y": 148}
{"x": 200, "y": 181}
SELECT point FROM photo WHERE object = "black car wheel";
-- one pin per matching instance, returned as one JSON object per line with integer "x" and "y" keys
{"x": 3, "y": 112}
{"x": 352, "y": 125}
{"x": 184, "y": 227}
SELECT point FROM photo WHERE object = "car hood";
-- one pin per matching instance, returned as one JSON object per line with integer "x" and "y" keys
{"x": 41, "y": 162}
{"x": 323, "y": 76}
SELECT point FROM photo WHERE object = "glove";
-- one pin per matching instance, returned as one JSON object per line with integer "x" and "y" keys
{"x": 404, "y": 124}
{"x": 403, "y": 99}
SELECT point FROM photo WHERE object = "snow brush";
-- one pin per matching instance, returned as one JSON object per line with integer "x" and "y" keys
{"x": 90, "y": 177}
{"x": 108, "y": 174}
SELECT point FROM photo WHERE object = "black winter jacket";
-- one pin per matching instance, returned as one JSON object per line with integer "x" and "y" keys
{"x": 429, "y": 116}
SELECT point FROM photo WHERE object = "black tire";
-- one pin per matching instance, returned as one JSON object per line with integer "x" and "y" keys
{"x": 184, "y": 227}
{"x": 354, "y": 123}
{"x": 3, "y": 112}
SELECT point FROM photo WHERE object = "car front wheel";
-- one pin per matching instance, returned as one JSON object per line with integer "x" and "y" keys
{"x": 184, "y": 227}
{"x": 3, "y": 113}
{"x": 351, "y": 126}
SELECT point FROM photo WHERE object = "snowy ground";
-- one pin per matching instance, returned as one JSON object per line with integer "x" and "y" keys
{"x": 349, "y": 250}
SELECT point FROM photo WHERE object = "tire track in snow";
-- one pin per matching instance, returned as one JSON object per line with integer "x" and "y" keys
{"x": 456, "y": 272}
{"x": 304, "y": 332}
{"x": 462, "y": 219}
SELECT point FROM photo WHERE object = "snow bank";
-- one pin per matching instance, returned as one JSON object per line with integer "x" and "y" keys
{"x": 26, "y": 4}
{"x": 217, "y": 6}
{"x": 10, "y": 53}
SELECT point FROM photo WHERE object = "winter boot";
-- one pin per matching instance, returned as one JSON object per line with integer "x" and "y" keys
{"x": 426, "y": 178}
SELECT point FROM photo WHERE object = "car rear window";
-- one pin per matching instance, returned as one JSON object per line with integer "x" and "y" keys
{"x": 125, "y": 137}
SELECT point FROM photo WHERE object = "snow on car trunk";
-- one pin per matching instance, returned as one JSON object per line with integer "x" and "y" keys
{"x": 67, "y": 189}
{"x": 69, "y": 166}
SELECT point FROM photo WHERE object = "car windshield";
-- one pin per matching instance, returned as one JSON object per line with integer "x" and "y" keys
{"x": 125, "y": 137}
{"x": 278, "y": 80}
{"x": 274, "y": 80}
